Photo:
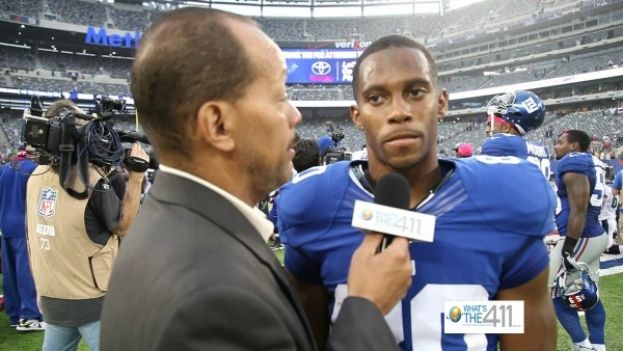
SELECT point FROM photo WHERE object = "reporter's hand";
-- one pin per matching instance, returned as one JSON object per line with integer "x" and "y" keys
{"x": 384, "y": 277}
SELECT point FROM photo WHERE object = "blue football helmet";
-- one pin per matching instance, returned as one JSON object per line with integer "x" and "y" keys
{"x": 577, "y": 288}
{"x": 522, "y": 108}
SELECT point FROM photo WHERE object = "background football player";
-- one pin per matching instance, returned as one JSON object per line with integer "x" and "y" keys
{"x": 580, "y": 179}
{"x": 608, "y": 217}
{"x": 510, "y": 116}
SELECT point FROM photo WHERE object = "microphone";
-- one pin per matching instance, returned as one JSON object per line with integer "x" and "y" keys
{"x": 392, "y": 190}
{"x": 390, "y": 216}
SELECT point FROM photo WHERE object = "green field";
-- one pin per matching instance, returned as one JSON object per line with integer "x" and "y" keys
{"x": 611, "y": 291}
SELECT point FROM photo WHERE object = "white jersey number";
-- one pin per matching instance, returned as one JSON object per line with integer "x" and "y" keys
{"x": 600, "y": 184}
{"x": 543, "y": 164}
{"x": 314, "y": 171}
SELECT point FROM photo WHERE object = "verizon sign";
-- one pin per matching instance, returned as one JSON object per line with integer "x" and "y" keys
{"x": 352, "y": 44}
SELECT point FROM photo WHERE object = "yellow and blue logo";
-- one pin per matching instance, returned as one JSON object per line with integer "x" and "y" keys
{"x": 366, "y": 215}
{"x": 455, "y": 314}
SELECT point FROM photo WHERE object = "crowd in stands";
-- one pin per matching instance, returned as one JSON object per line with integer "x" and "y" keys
{"x": 601, "y": 124}
{"x": 30, "y": 8}
{"x": 79, "y": 12}
{"x": 51, "y": 71}
{"x": 68, "y": 84}
{"x": 131, "y": 20}
{"x": 604, "y": 125}
{"x": 78, "y": 71}
{"x": 476, "y": 17}
{"x": 10, "y": 127}
{"x": 34, "y": 69}
{"x": 17, "y": 58}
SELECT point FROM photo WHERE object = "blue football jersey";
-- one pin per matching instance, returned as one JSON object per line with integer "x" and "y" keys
{"x": 491, "y": 216}
{"x": 582, "y": 163}
{"x": 504, "y": 144}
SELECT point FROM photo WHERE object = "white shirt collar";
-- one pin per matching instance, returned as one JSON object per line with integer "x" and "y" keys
{"x": 253, "y": 214}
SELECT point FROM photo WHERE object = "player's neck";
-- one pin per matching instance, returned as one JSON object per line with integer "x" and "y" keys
{"x": 422, "y": 179}
{"x": 423, "y": 184}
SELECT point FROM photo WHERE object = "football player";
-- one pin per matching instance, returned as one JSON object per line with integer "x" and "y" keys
{"x": 510, "y": 116}
{"x": 580, "y": 179}
{"x": 616, "y": 191}
{"x": 608, "y": 218}
{"x": 487, "y": 243}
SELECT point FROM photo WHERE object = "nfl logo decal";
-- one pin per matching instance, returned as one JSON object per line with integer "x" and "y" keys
{"x": 47, "y": 202}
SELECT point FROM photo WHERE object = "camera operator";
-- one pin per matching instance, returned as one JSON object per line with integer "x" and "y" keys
{"x": 330, "y": 151}
{"x": 73, "y": 242}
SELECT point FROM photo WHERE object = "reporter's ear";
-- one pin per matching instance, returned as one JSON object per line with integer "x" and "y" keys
{"x": 215, "y": 123}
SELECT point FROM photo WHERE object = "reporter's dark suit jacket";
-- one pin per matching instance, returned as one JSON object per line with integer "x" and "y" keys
{"x": 194, "y": 274}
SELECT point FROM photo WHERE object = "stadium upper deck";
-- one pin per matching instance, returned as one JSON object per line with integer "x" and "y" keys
{"x": 542, "y": 40}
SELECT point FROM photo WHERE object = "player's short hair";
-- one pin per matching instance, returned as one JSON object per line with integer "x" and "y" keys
{"x": 185, "y": 58}
{"x": 60, "y": 106}
{"x": 307, "y": 155}
{"x": 397, "y": 41}
{"x": 580, "y": 137}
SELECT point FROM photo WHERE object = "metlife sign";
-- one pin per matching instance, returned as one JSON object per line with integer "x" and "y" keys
{"x": 325, "y": 66}
{"x": 99, "y": 36}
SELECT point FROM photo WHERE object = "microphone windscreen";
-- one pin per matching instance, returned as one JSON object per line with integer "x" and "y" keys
{"x": 393, "y": 190}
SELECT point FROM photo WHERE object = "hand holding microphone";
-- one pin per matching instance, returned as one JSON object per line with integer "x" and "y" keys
{"x": 381, "y": 277}
{"x": 381, "y": 272}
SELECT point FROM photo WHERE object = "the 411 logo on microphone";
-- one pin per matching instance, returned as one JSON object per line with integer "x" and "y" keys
{"x": 484, "y": 317}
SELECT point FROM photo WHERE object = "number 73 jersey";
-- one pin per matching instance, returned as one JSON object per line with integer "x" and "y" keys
{"x": 491, "y": 216}
{"x": 594, "y": 170}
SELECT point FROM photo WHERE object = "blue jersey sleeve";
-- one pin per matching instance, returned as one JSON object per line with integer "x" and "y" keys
{"x": 515, "y": 204}
{"x": 576, "y": 163}
{"x": 618, "y": 181}
{"x": 307, "y": 207}
{"x": 273, "y": 214}
{"x": 307, "y": 204}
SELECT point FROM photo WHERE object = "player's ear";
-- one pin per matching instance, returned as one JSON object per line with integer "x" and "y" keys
{"x": 354, "y": 115}
{"x": 442, "y": 104}
{"x": 507, "y": 128}
{"x": 575, "y": 146}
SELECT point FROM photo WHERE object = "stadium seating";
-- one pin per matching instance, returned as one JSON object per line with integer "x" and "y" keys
{"x": 33, "y": 69}
{"x": 80, "y": 12}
